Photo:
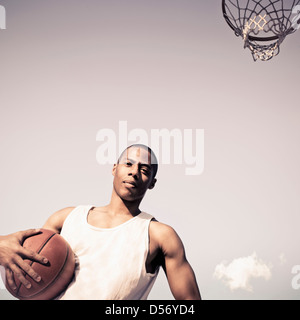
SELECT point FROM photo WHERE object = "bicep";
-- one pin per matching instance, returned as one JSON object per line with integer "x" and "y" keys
{"x": 182, "y": 281}
{"x": 180, "y": 275}
{"x": 57, "y": 219}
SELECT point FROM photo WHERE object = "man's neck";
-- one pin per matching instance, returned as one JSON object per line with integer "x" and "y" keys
{"x": 119, "y": 206}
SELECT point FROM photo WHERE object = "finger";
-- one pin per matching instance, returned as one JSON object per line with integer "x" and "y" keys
{"x": 22, "y": 235}
{"x": 28, "y": 269}
{"x": 31, "y": 255}
{"x": 19, "y": 274}
{"x": 10, "y": 279}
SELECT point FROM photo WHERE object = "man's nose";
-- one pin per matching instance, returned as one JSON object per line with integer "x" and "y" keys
{"x": 134, "y": 170}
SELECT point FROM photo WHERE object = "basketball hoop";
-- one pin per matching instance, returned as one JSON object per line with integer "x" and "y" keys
{"x": 263, "y": 24}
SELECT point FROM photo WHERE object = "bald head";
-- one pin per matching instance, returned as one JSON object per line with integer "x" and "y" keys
{"x": 138, "y": 151}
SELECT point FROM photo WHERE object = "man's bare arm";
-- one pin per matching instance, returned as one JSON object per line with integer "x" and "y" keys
{"x": 180, "y": 275}
{"x": 12, "y": 253}
{"x": 57, "y": 219}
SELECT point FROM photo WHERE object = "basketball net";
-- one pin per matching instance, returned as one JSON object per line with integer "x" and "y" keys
{"x": 263, "y": 24}
{"x": 263, "y": 52}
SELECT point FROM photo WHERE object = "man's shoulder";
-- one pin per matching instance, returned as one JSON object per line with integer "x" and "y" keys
{"x": 159, "y": 226}
{"x": 63, "y": 213}
{"x": 165, "y": 238}
{"x": 57, "y": 219}
{"x": 160, "y": 231}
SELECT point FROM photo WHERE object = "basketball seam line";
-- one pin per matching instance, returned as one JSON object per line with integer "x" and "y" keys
{"x": 54, "y": 280}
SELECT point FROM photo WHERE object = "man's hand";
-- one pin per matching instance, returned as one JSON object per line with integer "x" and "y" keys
{"x": 12, "y": 256}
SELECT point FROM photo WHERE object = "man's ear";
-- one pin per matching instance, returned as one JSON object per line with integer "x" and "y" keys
{"x": 114, "y": 169}
{"x": 152, "y": 185}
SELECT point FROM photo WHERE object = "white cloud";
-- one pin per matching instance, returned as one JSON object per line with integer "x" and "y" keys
{"x": 238, "y": 273}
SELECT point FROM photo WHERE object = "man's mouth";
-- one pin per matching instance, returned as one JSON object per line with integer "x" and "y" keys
{"x": 130, "y": 184}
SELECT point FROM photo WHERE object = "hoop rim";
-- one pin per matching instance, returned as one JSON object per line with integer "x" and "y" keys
{"x": 251, "y": 38}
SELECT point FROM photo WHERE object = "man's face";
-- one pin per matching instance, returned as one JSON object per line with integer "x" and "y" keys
{"x": 133, "y": 175}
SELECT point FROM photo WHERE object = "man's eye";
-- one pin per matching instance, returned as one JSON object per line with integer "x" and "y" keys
{"x": 146, "y": 171}
{"x": 128, "y": 163}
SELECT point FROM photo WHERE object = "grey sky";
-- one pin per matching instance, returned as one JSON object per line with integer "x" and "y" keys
{"x": 71, "y": 68}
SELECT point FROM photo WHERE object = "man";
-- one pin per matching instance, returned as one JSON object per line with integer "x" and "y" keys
{"x": 118, "y": 248}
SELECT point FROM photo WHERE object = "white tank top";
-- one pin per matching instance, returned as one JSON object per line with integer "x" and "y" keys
{"x": 111, "y": 263}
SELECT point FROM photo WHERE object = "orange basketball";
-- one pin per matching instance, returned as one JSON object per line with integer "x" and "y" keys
{"x": 56, "y": 274}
